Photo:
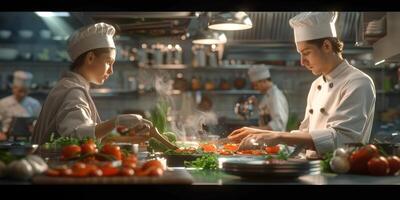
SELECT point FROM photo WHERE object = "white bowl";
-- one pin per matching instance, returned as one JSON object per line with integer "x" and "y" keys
{"x": 5, "y": 34}
{"x": 26, "y": 34}
{"x": 45, "y": 34}
{"x": 8, "y": 54}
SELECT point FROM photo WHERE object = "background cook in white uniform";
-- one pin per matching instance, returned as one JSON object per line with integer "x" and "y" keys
{"x": 19, "y": 104}
{"x": 273, "y": 108}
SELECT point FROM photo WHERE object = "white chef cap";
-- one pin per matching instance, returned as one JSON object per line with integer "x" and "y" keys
{"x": 95, "y": 36}
{"x": 22, "y": 79}
{"x": 258, "y": 72}
{"x": 313, "y": 25}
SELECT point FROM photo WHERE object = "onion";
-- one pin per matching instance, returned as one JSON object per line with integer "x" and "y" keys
{"x": 20, "y": 169}
{"x": 340, "y": 152}
{"x": 339, "y": 164}
{"x": 38, "y": 164}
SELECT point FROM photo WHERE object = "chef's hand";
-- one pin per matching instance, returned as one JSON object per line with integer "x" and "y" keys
{"x": 255, "y": 141}
{"x": 238, "y": 134}
{"x": 133, "y": 121}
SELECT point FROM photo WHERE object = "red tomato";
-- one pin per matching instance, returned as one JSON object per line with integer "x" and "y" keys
{"x": 359, "y": 159}
{"x": 80, "y": 169}
{"x": 130, "y": 157}
{"x": 70, "y": 151}
{"x": 112, "y": 150}
{"x": 272, "y": 149}
{"x": 129, "y": 163}
{"x": 209, "y": 147}
{"x": 394, "y": 164}
{"x": 156, "y": 171}
{"x": 109, "y": 170}
{"x": 378, "y": 166}
{"x": 96, "y": 172}
{"x": 231, "y": 147}
{"x": 140, "y": 172}
{"x": 152, "y": 163}
{"x": 52, "y": 172}
{"x": 127, "y": 171}
{"x": 66, "y": 172}
{"x": 89, "y": 148}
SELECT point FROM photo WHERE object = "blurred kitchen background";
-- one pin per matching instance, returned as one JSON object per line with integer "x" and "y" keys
{"x": 157, "y": 57}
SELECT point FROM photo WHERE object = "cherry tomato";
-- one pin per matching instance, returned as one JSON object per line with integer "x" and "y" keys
{"x": 66, "y": 172}
{"x": 209, "y": 147}
{"x": 152, "y": 163}
{"x": 127, "y": 171}
{"x": 272, "y": 149}
{"x": 140, "y": 172}
{"x": 129, "y": 163}
{"x": 359, "y": 158}
{"x": 112, "y": 150}
{"x": 231, "y": 147}
{"x": 80, "y": 169}
{"x": 156, "y": 171}
{"x": 109, "y": 170}
{"x": 394, "y": 164}
{"x": 53, "y": 172}
{"x": 89, "y": 148}
{"x": 130, "y": 157}
{"x": 71, "y": 151}
{"x": 378, "y": 166}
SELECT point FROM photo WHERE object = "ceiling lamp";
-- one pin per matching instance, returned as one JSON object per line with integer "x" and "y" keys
{"x": 209, "y": 37}
{"x": 230, "y": 21}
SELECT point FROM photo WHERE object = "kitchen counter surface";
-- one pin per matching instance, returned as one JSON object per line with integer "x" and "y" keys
{"x": 208, "y": 177}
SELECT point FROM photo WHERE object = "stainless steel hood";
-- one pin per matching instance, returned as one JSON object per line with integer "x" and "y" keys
{"x": 388, "y": 47}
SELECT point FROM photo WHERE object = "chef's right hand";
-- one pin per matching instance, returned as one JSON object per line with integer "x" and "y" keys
{"x": 133, "y": 121}
{"x": 238, "y": 134}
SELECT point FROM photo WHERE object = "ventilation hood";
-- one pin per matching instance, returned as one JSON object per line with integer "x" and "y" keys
{"x": 387, "y": 48}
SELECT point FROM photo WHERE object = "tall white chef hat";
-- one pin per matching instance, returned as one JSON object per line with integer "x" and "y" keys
{"x": 94, "y": 36}
{"x": 313, "y": 25}
{"x": 258, "y": 72}
{"x": 22, "y": 79}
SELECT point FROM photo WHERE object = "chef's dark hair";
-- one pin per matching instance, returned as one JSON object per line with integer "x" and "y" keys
{"x": 81, "y": 59}
{"x": 337, "y": 45}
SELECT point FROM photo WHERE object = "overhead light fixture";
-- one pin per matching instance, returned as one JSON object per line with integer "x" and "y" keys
{"x": 379, "y": 62}
{"x": 52, "y": 14}
{"x": 230, "y": 21}
{"x": 209, "y": 37}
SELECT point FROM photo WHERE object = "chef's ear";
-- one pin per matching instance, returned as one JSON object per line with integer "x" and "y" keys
{"x": 90, "y": 57}
{"x": 327, "y": 46}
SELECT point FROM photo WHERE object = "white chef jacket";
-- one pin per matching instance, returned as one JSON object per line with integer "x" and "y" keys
{"x": 274, "y": 104}
{"x": 340, "y": 109}
{"x": 10, "y": 107}
{"x": 68, "y": 110}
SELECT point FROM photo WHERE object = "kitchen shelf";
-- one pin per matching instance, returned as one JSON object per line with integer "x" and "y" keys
{"x": 101, "y": 92}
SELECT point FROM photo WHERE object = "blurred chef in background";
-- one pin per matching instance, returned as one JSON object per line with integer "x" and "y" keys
{"x": 69, "y": 109}
{"x": 341, "y": 101}
{"x": 273, "y": 107}
{"x": 19, "y": 104}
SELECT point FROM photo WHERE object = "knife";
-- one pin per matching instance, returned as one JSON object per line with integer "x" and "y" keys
{"x": 156, "y": 134}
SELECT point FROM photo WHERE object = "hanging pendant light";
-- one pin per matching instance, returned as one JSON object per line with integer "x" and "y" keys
{"x": 230, "y": 21}
{"x": 209, "y": 37}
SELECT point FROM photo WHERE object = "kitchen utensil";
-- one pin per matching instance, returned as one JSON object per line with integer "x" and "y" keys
{"x": 8, "y": 54}
{"x": 5, "y": 34}
{"x": 156, "y": 134}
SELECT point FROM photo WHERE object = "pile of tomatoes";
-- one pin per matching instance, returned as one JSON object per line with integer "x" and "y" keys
{"x": 93, "y": 163}
{"x": 366, "y": 160}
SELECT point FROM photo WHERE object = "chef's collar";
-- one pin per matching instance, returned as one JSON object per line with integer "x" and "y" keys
{"x": 79, "y": 79}
{"x": 269, "y": 91}
{"x": 335, "y": 73}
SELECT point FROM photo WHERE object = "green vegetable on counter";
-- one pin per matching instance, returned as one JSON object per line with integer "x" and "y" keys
{"x": 326, "y": 158}
{"x": 67, "y": 140}
{"x": 206, "y": 162}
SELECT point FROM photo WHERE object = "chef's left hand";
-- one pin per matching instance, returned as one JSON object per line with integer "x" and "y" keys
{"x": 253, "y": 141}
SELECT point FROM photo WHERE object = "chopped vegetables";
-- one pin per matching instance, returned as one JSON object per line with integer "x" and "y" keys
{"x": 206, "y": 162}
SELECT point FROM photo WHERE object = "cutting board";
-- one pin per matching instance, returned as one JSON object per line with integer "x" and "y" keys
{"x": 170, "y": 176}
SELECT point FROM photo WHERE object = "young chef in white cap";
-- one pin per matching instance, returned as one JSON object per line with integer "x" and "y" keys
{"x": 341, "y": 101}
{"x": 69, "y": 109}
{"x": 273, "y": 108}
{"x": 19, "y": 104}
